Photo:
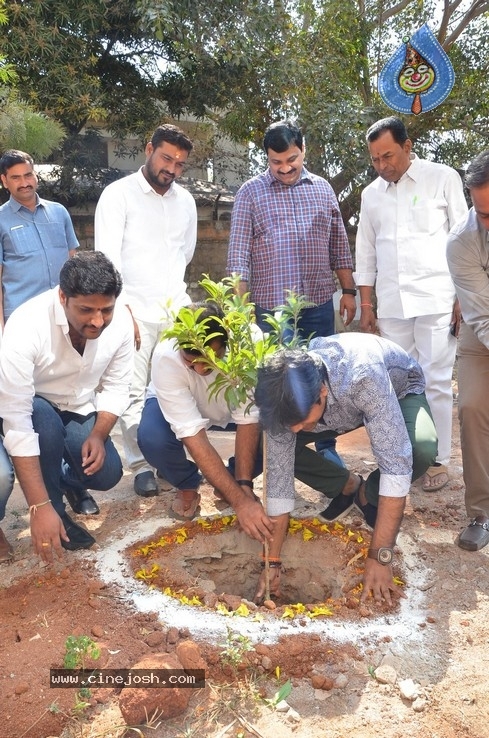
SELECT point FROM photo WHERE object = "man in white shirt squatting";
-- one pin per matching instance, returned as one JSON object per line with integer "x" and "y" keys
{"x": 176, "y": 415}
{"x": 65, "y": 373}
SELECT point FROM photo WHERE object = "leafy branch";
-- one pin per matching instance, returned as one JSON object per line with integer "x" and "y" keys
{"x": 247, "y": 346}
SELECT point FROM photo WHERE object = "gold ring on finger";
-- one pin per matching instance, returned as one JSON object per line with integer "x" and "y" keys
{"x": 44, "y": 544}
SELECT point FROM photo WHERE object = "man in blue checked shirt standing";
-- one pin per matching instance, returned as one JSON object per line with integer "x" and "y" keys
{"x": 287, "y": 234}
{"x": 36, "y": 236}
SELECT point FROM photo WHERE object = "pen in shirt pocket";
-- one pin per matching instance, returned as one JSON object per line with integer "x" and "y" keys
{"x": 15, "y": 228}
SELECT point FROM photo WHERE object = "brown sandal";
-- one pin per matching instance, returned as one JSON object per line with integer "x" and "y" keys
{"x": 185, "y": 506}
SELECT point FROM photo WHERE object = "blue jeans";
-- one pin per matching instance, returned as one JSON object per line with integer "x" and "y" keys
{"x": 6, "y": 479}
{"x": 166, "y": 453}
{"x": 313, "y": 322}
{"x": 61, "y": 436}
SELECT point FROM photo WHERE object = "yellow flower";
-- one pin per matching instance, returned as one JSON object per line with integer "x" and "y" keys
{"x": 221, "y": 607}
{"x": 242, "y": 611}
{"x": 307, "y": 534}
{"x": 203, "y": 523}
{"x": 319, "y": 610}
{"x": 181, "y": 535}
{"x": 288, "y": 613}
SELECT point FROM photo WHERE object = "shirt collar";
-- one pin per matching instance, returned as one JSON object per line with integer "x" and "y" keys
{"x": 16, "y": 205}
{"x": 146, "y": 187}
{"x": 59, "y": 313}
{"x": 412, "y": 172}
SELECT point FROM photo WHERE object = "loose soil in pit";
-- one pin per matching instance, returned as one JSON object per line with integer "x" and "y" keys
{"x": 437, "y": 637}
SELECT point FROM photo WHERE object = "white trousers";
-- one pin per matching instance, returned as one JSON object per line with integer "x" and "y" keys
{"x": 150, "y": 334}
{"x": 428, "y": 340}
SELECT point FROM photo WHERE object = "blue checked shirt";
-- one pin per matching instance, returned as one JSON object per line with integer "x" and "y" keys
{"x": 287, "y": 238}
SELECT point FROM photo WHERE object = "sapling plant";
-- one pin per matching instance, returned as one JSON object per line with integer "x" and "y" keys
{"x": 247, "y": 346}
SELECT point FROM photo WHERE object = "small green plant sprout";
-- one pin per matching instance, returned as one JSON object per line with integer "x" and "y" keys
{"x": 371, "y": 671}
{"x": 280, "y": 694}
{"x": 234, "y": 648}
{"x": 77, "y": 650}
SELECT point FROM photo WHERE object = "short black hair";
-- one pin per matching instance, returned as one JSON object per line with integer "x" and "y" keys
{"x": 281, "y": 136}
{"x": 288, "y": 386}
{"x": 173, "y": 135}
{"x": 392, "y": 124}
{"x": 89, "y": 273}
{"x": 12, "y": 157}
{"x": 477, "y": 174}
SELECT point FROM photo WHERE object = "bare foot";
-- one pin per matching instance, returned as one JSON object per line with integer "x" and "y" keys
{"x": 185, "y": 504}
{"x": 435, "y": 478}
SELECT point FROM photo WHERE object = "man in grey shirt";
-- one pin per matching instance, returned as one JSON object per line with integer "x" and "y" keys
{"x": 339, "y": 384}
{"x": 468, "y": 261}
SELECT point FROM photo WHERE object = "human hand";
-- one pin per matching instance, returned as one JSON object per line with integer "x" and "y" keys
{"x": 93, "y": 454}
{"x": 378, "y": 581}
{"x": 137, "y": 335}
{"x": 368, "y": 323}
{"x": 253, "y": 519}
{"x": 456, "y": 319}
{"x": 348, "y": 308}
{"x": 274, "y": 580}
{"x": 47, "y": 531}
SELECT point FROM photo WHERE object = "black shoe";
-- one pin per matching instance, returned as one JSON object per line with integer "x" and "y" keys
{"x": 82, "y": 502}
{"x": 337, "y": 508}
{"x": 79, "y": 537}
{"x": 145, "y": 484}
{"x": 368, "y": 510}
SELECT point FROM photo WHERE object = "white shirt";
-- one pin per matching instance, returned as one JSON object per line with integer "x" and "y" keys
{"x": 183, "y": 395}
{"x": 37, "y": 357}
{"x": 401, "y": 240}
{"x": 150, "y": 238}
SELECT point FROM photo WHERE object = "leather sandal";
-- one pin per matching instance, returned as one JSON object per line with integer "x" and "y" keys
{"x": 476, "y": 535}
{"x": 435, "y": 478}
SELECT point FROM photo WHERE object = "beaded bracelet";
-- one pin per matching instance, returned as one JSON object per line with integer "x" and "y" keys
{"x": 33, "y": 508}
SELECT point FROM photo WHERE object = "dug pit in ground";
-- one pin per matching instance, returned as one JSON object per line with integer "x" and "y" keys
{"x": 210, "y": 564}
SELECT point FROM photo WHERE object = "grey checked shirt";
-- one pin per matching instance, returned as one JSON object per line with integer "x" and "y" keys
{"x": 366, "y": 376}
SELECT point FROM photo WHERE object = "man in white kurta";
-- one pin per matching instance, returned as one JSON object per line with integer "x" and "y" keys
{"x": 405, "y": 217}
{"x": 147, "y": 226}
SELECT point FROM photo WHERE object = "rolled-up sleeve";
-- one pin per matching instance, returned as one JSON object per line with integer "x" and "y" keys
{"x": 280, "y": 472}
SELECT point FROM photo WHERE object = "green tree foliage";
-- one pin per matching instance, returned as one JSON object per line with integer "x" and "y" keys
{"x": 245, "y": 63}
{"x": 318, "y": 61}
{"x": 22, "y": 128}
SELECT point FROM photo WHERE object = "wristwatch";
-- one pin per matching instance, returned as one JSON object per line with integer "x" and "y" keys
{"x": 383, "y": 555}
{"x": 349, "y": 291}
